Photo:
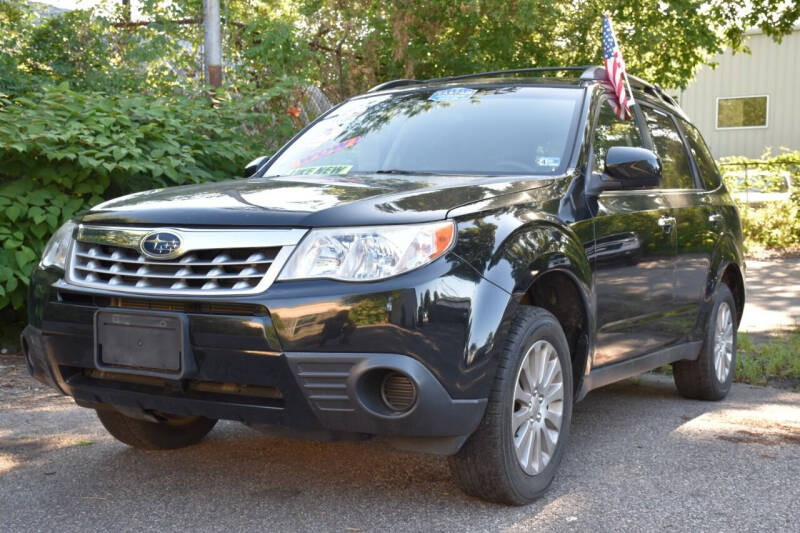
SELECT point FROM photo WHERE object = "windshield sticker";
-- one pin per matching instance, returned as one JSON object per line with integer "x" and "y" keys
{"x": 330, "y": 170}
{"x": 450, "y": 95}
{"x": 338, "y": 147}
{"x": 548, "y": 161}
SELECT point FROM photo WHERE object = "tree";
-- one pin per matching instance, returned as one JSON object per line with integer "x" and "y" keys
{"x": 345, "y": 47}
{"x": 359, "y": 44}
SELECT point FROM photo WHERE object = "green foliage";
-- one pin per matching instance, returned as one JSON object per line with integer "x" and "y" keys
{"x": 776, "y": 225}
{"x": 93, "y": 54}
{"x": 772, "y": 224}
{"x": 778, "y": 358}
{"x": 357, "y": 44}
{"x": 64, "y": 151}
{"x": 345, "y": 47}
{"x": 98, "y": 50}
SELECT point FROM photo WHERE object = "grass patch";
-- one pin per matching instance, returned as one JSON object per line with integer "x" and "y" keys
{"x": 776, "y": 359}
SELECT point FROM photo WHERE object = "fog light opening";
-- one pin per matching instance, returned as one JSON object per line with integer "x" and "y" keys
{"x": 398, "y": 392}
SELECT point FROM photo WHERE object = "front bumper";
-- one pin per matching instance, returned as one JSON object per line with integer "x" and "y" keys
{"x": 304, "y": 390}
{"x": 261, "y": 359}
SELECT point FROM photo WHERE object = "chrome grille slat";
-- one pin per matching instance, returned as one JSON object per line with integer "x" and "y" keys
{"x": 142, "y": 260}
{"x": 127, "y": 274}
{"x": 212, "y": 261}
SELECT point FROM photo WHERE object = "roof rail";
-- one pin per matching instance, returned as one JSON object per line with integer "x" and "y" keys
{"x": 508, "y": 72}
{"x": 588, "y": 72}
{"x": 393, "y": 83}
{"x": 403, "y": 82}
{"x": 594, "y": 73}
{"x": 654, "y": 89}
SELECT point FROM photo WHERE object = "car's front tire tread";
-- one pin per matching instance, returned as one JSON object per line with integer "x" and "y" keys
{"x": 146, "y": 435}
{"x": 482, "y": 467}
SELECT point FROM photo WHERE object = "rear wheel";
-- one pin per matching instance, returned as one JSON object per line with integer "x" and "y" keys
{"x": 710, "y": 376}
{"x": 513, "y": 455}
{"x": 169, "y": 433}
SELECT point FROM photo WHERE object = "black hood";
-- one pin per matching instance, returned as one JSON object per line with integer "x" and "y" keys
{"x": 305, "y": 201}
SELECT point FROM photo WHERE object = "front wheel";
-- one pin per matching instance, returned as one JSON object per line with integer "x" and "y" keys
{"x": 710, "y": 376}
{"x": 513, "y": 455}
{"x": 169, "y": 433}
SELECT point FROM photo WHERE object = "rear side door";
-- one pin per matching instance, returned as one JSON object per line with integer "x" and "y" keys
{"x": 633, "y": 256}
{"x": 691, "y": 207}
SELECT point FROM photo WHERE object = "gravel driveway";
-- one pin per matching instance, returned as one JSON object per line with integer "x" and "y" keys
{"x": 639, "y": 458}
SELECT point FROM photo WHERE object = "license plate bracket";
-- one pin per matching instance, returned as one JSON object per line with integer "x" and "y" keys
{"x": 141, "y": 343}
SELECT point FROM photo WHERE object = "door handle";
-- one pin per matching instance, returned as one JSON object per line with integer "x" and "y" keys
{"x": 715, "y": 219}
{"x": 666, "y": 224}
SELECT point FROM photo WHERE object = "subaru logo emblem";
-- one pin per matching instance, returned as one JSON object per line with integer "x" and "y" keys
{"x": 161, "y": 245}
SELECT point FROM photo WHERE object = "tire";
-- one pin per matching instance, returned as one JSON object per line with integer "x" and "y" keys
{"x": 700, "y": 379}
{"x": 487, "y": 465}
{"x": 170, "y": 434}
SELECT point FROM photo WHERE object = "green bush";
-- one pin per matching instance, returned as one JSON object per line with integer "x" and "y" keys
{"x": 775, "y": 225}
{"x": 62, "y": 151}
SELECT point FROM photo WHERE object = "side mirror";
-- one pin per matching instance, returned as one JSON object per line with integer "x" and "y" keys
{"x": 627, "y": 167}
{"x": 253, "y": 166}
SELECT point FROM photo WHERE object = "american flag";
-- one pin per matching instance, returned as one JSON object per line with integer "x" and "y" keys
{"x": 615, "y": 70}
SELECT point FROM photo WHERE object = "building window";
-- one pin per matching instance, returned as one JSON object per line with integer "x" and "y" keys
{"x": 742, "y": 112}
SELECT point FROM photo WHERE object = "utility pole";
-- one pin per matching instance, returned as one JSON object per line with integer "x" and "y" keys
{"x": 213, "y": 42}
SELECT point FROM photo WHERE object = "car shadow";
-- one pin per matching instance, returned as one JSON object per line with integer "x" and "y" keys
{"x": 284, "y": 477}
{"x": 239, "y": 476}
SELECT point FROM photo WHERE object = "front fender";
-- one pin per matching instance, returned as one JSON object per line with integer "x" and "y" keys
{"x": 511, "y": 249}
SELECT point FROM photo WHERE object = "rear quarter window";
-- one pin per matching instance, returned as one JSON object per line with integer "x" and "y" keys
{"x": 709, "y": 172}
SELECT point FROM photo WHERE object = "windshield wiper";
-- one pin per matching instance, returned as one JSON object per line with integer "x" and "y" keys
{"x": 403, "y": 172}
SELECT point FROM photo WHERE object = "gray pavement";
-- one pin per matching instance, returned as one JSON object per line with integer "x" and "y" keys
{"x": 640, "y": 458}
{"x": 773, "y": 296}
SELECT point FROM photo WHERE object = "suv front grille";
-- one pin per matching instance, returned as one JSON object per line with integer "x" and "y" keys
{"x": 119, "y": 267}
{"x": 210, "y": 261}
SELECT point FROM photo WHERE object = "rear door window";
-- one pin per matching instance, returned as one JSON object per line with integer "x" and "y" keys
{"x": 675, "y": 167}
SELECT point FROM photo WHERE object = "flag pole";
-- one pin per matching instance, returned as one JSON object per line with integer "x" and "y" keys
{"x": 628, "y": 83}
{"x": 631, "y": 100}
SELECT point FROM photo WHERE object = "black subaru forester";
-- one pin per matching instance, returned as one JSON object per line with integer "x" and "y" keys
{"x": 447, "y": 264}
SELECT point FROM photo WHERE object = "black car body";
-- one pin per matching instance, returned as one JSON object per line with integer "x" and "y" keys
{"x": 628, "y": 267}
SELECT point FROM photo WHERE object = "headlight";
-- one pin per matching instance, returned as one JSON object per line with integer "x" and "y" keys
{"x": 56, "y": 249}
{"x": 369, "y": 253}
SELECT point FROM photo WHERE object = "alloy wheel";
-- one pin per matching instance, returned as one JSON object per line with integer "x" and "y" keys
{"x": 538, "y": 407}
{"x": 723, "y": 342}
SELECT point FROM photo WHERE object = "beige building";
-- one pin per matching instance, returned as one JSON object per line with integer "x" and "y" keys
{"x": 749, "y": 102}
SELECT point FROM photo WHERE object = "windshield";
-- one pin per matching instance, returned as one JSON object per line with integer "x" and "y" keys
{"x": 459, "y": 130}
